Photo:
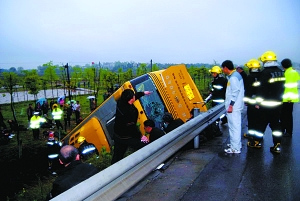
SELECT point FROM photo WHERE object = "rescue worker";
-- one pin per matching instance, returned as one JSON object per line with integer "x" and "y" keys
{"x": 290, "y": 97}
{"x": 35, "y": 124}
{"x": 57, "y": 114}
{"x": 154, "y": 133}
{"x": 169, "y": 123}
{"x": 67, "y": 116}
{"x": 218, "y": 90}
{"x": 251, "y": 87}
{"x": 86, "y": 149}
{"x": 218, "y": 86}
{"x": 269, "y": 101}
{"x": 53, "y": 147}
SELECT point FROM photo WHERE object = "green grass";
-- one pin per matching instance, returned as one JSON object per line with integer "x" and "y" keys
{"x": 26, "y": 175}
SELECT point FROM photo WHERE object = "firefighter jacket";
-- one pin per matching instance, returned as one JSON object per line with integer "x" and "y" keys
{"x": 53, "y": 149}
{"x": 87, "y": 150}
{"x": 291, "y": 85}
{"x": 35, "y": 122}
{"x": 251, "y": 87}
{"x": 57, "y": 114}
{"x": 218, "y": 89}
{"x": 270, "y": 92}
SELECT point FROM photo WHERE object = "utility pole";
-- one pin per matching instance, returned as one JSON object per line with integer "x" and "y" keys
{"x": 69, "y": 83}
{"x": 151, "y": 65}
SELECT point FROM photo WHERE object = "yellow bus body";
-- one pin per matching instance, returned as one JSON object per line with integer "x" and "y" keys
{"x": 174, "y": 91}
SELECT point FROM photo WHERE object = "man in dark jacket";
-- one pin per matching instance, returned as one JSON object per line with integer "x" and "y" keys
{"x": 74, "y": 172}
{"x": 154, "y": 132}
{"x": 170, "y": 123}
{"x": 126, "y": 132}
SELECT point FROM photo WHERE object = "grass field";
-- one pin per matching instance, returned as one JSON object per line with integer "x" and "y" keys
{"x": 25, "y": 167}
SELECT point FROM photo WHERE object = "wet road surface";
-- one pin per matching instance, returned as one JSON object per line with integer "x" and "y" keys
{"x": 208, "y": 173}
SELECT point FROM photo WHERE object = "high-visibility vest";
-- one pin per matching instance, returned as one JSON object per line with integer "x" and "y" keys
{"x": 57, "y": 114}
{"x": 36, "y": 121}
{"x": 291, "y": 85}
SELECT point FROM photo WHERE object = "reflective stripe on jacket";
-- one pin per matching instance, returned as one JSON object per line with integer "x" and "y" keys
{"x": 57, "y": 114}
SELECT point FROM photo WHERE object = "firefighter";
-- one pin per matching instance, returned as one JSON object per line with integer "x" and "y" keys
{"x": 290, "y": 97}
{"x": 35, "y": 124}
{"x": 217, "y": 92}
{"x": 269, "y": 101}
{"x": 57, "y": 114}
{"x": 251, "y": 87}
{"x": 86, "y": 149}
{"x": 53, "y": 151}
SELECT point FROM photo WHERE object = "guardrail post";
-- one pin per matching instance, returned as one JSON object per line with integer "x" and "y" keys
{"x": 196, "y": 112}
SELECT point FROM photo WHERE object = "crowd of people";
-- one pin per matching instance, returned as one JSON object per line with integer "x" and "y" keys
{"x": 263, "y": 98}
{"x": 52, "y": 115}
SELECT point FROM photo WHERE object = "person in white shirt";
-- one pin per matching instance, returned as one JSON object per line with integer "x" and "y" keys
{"x": 234, "y": 105}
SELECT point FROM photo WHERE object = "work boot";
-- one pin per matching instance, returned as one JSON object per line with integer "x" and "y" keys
{"x": 276, "y": 148}
{"x": 254, "y": 144}
{"x": 246, "y": 135}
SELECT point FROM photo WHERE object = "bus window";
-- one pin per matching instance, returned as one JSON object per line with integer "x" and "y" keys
{"x": 152, "y": 105}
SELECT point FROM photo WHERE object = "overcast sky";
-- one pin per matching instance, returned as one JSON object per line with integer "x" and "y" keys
{"x": 34, "y": 32}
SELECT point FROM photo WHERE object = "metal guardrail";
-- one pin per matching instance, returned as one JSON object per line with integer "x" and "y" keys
{"x": 112, "y": 182}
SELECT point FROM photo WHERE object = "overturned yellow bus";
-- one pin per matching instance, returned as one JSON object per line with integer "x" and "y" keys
{"x": 174, "y": 91}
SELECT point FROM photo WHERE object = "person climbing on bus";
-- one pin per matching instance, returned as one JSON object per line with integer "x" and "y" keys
{"x": 126, "y": 132}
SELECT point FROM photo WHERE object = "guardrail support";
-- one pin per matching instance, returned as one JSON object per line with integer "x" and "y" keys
{"x": 112, "y": 182}
{"x": 196, "y": 112}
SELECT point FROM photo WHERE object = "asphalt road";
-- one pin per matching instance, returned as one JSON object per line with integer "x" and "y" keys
{"x": 208, "y": 173}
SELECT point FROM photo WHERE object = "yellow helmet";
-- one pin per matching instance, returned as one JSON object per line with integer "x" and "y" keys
{"x": 216, "y": 69}
{"x": 253, "y": 63}
{"x": 81, "y": 139}
{"x": 268, "y": 56}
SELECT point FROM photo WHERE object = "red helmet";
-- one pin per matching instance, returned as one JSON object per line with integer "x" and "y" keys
{"x": 51, "y": 135}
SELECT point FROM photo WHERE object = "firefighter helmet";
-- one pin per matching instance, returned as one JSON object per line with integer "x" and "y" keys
{"x": 268, "y": 56}
{"x": 216, "y": 69}
{"x": 81, "y": 139}
{"x": 253, "y": 63}
{"x": 51, "y": 135}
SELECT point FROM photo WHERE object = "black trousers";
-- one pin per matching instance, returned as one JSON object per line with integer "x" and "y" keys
{"x": 121, "y": 146}
{"x": 58, "y": 124}
{"x": 286, "y": 117}
{"x": 77, "y": 116}
{"x": 253, "y": 116}
{"x": 36, "y": 133}
{"x": 270, "y": 116}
